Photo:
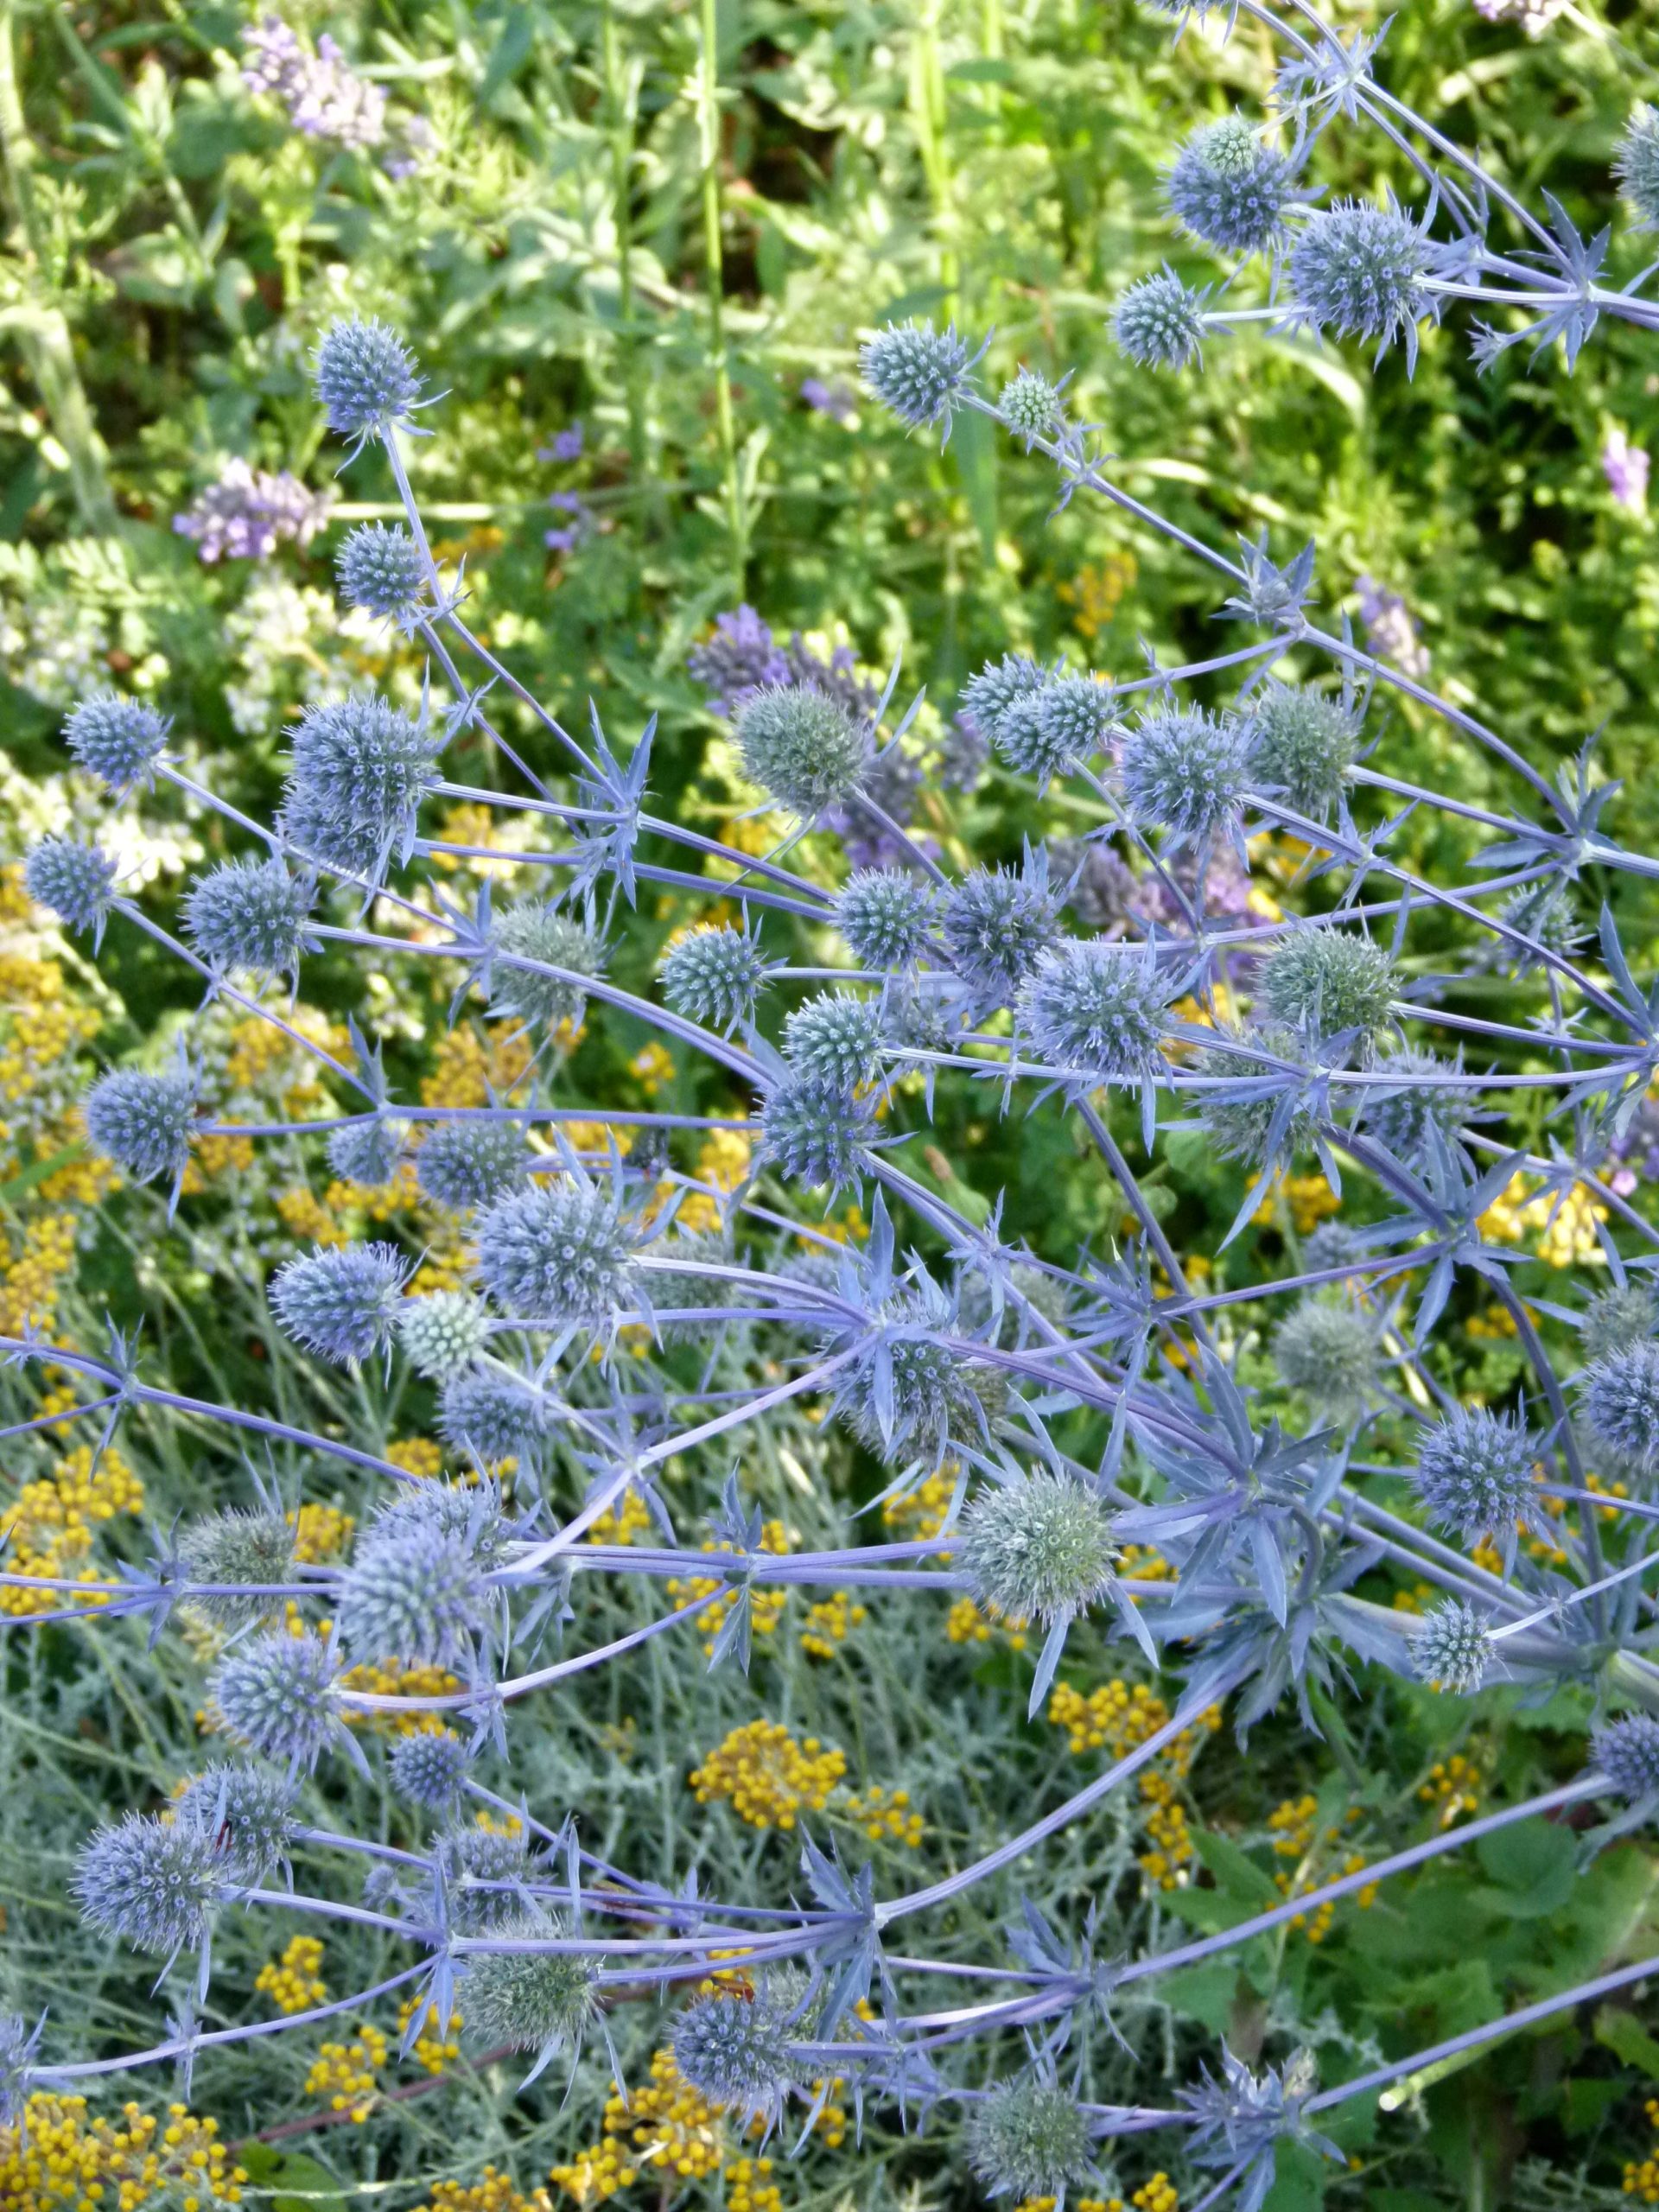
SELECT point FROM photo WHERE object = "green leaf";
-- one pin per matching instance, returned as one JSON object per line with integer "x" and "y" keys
{"x": 1533, "y": 1864}
{"x": 974, "y": 449}
{"x": 1623, "y": 2035}
{"x": 298, "y": 2183}
{"x": 1236, "y": 1874}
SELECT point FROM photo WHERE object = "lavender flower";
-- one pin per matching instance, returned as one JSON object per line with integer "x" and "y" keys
{"x": 1625, "y": 466}
{"x": 324, "y": 96}
{"x": 248, "y": 512}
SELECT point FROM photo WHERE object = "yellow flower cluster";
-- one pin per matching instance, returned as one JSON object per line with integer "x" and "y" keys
{"x": 43, "y": 1028}
{"x": 652, "y": 1067}
{"x": 50, "y": 1527}
{"x": 1567, "y": 1240}
{"x": 1453, "y": 1789}
{"x": 767, "y": 1776}
{"x": 1094, "y": 595}
{"x": 37, "y": 1275}
{"x": 60, "y": 2161}
{"x": 965, "y": 1624}
{"x": 308, "y": 1220}
{"x": 391, "y": 1678}
{"x": 723, "y": 1162}
{"x": 1294, "y": 1825}
{"x": 212, "y": 1155}
{"x": 750, "y": 2188}
{"x": 621, "y": 1522}
{"x": 344, "y": 2073}
{"x": 321, "y": 1532}
{"x": 433, "y": 2048}
{"x": 492, "y": 2192}
{"x": 669, "y": 2124}
{"x": 294, "y": 1982}
{"x": 599, "y": 2172}
{"x": 471, "y": 823}
{"x": 766, "y": 1606}
{"x": 920, "y": 1512}
{"x": 885, "y": 1816}
{"x": 1158, "y": 2194}
{"x": 1642, "y": 2178}
{"x": 417, "y": 1455}
{"x": 830, "y": 1623}
{"x": 1309, "y": 1199}
{"x": 467, "y": 1071}
{"x": 1116, "y": 1718}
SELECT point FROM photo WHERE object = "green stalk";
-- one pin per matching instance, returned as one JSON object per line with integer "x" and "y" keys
{"x": 42, "y": 332}
{"x": 929, "y": 114}
{"x": 714, "y": 270}
{"x": 619, "y": 110}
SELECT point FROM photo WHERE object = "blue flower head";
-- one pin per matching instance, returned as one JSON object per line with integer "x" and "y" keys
{"x": 715, "y": 973}
{"x": 1159, "y": 322}
{"x": 75, "y": 881}
{"x": 417, "y": 1594}
{"x": 150, "y": 1882}
{"x": 918, "y": 372}
{"x": 343, "y": 1302}
{"x": 249, "y": 915}
{"x": 463, "y": 1164}
{"x": 557, "y": 1257}
{"x": 1229, "y": 189}
{"x": 366, "y": 379}
{"x": 275, "y": 1693}
{"x": 118, "y": 740}
{"x": 884, "y": 914}
{"x": 143, "y": 1121}
{"x": 427, "y": 1767}
{"x": 380, "y": 570}
{"x": 1027, "y": 2137}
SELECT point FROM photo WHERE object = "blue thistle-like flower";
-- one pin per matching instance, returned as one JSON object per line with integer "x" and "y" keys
{"x": 809, "y": 749}
{"x": 996, "y": 926}
{"x": 539, "y": 930}
{"x": 249, "y": 915}
{"x": 1636, "y": 165}
{"x": 361, "y": 767}
{"x": 18, "y": 2044}
{"x": 557, "y": 1256}
{"x": 1331, "y": 1244}
{"x": 1327, "y": 1349}
{"x": 1240, "y": 1124}
{"x": 234, "y": 1546}
{"x": 367, "y": 1152}
{"x": 715, "y": 974}
{"x": 1159, "y": 322}
{"x": 999, "y": 686}
{"x": 493, "y": 1413}
{"x": 1029, "y": 2138}
{"x": 366, "y": 379}
{"x": 1453, "y": 1650}
{"x": 75, "y": 881}
{"x": 1627, "y": 1751}
{"x": 735, "y": 2050}
{"x": 485, "y": 1873}
{"x": 1403, "y": 1121}
{"x": 1618, "y": 1320}
{"x": 1228, "y": 189}
{"x": 342, "y": 1303}
{"x": 1094, "y": 1010}
{"x": 142, "y": 1121}
{"x": 1325, "y": 981}
{"x": 249, "y": 1813}
{"x": 905, "y": 1391}
{"x": 381, "y": 571}
{"x": 443, "y": 1332}
{"x": 464, "y": 1164}
{"x": 417, "y": 1595}
{"x": 531, "y": 2000}
{"x": 834, "y": 1039}
{"x": 1186, "y": 771}
{"x": 1621, "y": 1404}
{"x": 118, "y": 740}
{"x": 1357, "y": 269}
{"x": 472, "y": 1510}
{"x": 815, "y": 1134}
{"x": 276, "y": 1693}
{"x": 1303, "y": 745}
{"x": 427, "y": 1767}
{"x": 1474, "y": 1473}
{"x": 151, "y": 1883}
{"x": 884, "y": 914}
{"x": 1030, "y": 405}
{"x": 1037, "y": 1549}
{"x": 1545, "y": 913}
{"x": 918, "y": 372}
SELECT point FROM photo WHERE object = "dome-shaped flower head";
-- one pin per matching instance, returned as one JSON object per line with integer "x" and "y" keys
{"x": 249, "y": 915}
{"x": 366, "y": 379}
{"x": 1636, "y": 165}
{"x": 472, "y": 1510}
{"x": 715, "y": 974}
{"x": 1358, "y": 270}
{"x": 1037, "y": 1549}
{"x": 1030, "y": 405}
{"x": 76, "y": 882}
{"x": 118, "y": 740}
{"x": 1159, "y": 322}
{"x": 538, "y": 930}
{"x": 361, "y": 767}
{"x": 996, "y": 926}
{"x": 1044, "y": 734}
{"x": 426, "y": 1767}
{"x": 1547, "y": 914}
{"x": 1626, "y": 1315}
{"x": 443, "y": 1334}
{"x": 342, "y": 1302}
{"x": 463, "y": 1164}
{"x": 1404, "y": 1117}
{"x": 369, "y": 1152}
{"x": 494, "y": 1415}
{"x": 275, "y": 1693}
{"x": 381, "y": 571}
{"x": 1186, "y": 770}
{"x": 733, "y": 2049}
{"x": 142, "y": 1121}
{"x": 1029, "y": 2138}
{"x": 1303, "y": 745}
{"x": 918, "y": 372}
{"x": 803, "y": 746}
{"x": 1332, "y": 1244}
{"x": 905, "y": 1391}
{"x": 556, "y": 1256}
{"x": 998, "y": 687}
{"x": 485, "y": 1875}
{"x": 1474, "y": 1473}
{"x": 1326, "y": 1348}
{"x": 1243, "y": 1120}
{"x": 1621, "y": 1404}
{"x": 417, "y": 1595}
{"x": 151, "y": 1883}
{"x": 884, "y": 913}
{"x": 1228, "y": 189}
{"x": 1328, "y": 983}
{"x": 236, "y": 1547}
{"x": 248, "y": 1811}
{"x": 834, "y": 1039}
{"x": 1627, "y": 1752}
{"x": 1095, "y": 1010}
{"x": 1453, "y": 1650}
{"x": 815, "y": 1134}
{"x": 529, "y": 1999}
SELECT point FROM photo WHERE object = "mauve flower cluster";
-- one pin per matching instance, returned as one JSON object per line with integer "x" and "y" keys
{"x": 249, "y": 512}
{"x": 324, "y": 96}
